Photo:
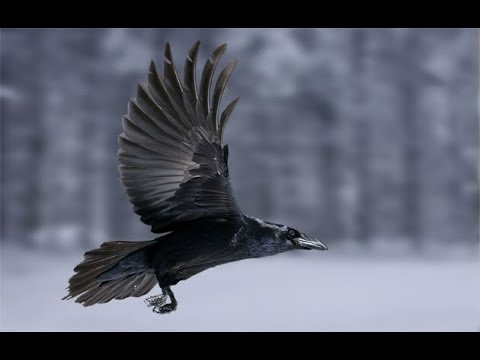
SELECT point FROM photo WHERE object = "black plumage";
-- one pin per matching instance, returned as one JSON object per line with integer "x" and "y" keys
{"x": 174, "y": 167}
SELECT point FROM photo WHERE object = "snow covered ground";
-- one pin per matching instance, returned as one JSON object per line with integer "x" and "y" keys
{"x": 311, "y": 292}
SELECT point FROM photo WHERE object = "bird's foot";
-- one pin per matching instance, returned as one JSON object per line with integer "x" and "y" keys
{"x": 159, "y": 304}
{"x": 164, "y": 309}
{"x": 156, "y": 300}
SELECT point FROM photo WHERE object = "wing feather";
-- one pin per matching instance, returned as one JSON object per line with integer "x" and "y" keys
{"x": 206, "y": 82}
{"x": 173, "y": 163}
{"x": 220, "y": 88}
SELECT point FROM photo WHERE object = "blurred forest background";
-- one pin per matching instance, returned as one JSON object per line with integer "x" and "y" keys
{"x": 357, "y": 136}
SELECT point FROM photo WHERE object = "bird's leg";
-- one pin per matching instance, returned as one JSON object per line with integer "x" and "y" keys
{"x": 159, "y": 301}
{"x": 171, "y": 306}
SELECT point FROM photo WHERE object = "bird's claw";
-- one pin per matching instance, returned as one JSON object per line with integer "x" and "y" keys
{"x": 159, "y": 304}
{"x": 164, "y": 309}
{"x": 156, "y": 301}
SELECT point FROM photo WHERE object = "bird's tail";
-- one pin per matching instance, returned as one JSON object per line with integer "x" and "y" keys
{"x": 115, "y": 270}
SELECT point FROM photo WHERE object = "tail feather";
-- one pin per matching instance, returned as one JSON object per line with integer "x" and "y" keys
{"x": 124, "y": 273}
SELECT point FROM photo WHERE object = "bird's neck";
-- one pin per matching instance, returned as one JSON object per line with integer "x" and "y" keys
{"x": 257, "y": 237}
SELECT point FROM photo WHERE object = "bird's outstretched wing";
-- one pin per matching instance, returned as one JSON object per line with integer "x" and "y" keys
{"x": 173, "y": 162}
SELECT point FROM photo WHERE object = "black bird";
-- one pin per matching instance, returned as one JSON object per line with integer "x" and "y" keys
{"x": 173, "y": 164}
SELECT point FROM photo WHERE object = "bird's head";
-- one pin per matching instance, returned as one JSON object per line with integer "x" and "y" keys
{"x": 268, "y": 239}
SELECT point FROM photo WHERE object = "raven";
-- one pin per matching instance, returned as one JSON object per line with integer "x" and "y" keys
{"x": 173, "y": 165}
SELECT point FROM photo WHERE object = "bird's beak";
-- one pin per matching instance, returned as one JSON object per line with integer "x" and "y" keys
{"x": 308, "y": 243}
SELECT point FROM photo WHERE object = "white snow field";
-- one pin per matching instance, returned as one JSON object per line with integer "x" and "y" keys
{"x": 311, "y": 292}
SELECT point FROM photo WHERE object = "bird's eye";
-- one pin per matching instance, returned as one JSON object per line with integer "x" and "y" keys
{"x": 291, "y": 233}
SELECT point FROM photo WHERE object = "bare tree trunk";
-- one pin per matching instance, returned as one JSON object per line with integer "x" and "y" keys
{"x": 364, "y": 199}
{"x": 97, "y": 109}
{"x": 323, "y": 108}
{"x": 263, "y": 172}
{"x": 463, "y": 213}
{"x": 330, "y": 171}
{"x": 409, "y": 96}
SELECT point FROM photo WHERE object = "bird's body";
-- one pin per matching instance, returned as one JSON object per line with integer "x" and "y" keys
{"x": 182, "y": 254}
{"x": 174, "y": 166}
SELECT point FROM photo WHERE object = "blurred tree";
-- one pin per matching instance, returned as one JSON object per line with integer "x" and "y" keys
{"x": 69, "y": 128}
{"x": 126, "y": 57}
{"x": 369, "y": 133}
{"x": 22, "y": 66}
{"x": 361, "y": 146}
{"x": 409, "y": 57}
